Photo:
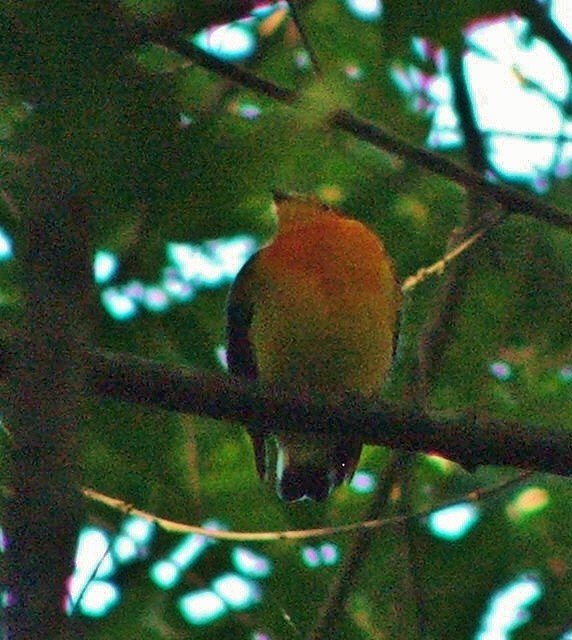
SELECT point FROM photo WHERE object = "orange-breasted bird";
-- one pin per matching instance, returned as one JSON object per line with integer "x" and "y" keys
{"x": 314, "y": 312}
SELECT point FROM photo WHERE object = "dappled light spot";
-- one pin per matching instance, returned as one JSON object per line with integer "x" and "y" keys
{"x": 430, "y": 92}
{"x": 426, "y": 51}
{"x": 118, "y": 305}
{"x": 330, "y": 193}
{"x": 366, "y": 10}
{"x": 566, "y": 373}
{"x": 302, "y": 59}
{"x": 442, "y": 464}
{"x": 326, "y": 554}
{"x": 93, "y": 553}
{"x": 265, "y": 9}
{"x": 124, "y": 548}
{"x": 353, "y": 72}
{"x": 311, "y": 557}
{"x": 259, "y": 635}
{"x": 167, "y": 572}
{"x": 195, "y": 265}
{"x": 363, "y": 482}
{"x": 273, "y": 20}
{"x": 6, "y": 246}
{"x": 508, "y": 608}
{"x": 185, "y": 120}
{"x": 88, "y": 590}
{"x": 230, "y": 42}
{"x": 155, "y": 299}
{"x": 221, "y": 356}
{"x": 105, "y": 266}
{"x": 202, "y": 607}
{"x": 237, "y": 592}
{"x": 177, "y": 289}
{"x": 99, "y": 598}
{"x": 454, "y": 522}
{"x": 416, "y": 210}
{"x": 528, "y": 501}
{"x": 139, "y": 529}
{"x": 190, "y": 267}
{"x": 247, "y": 110}
{"x": 135, "y": 289}
{"x": 132, "y": 541}
{"x": 501, "y": 370}
{"x": 330, "y": 553}
{"x": 249, "y": 563}
{"x": 214, "y": 262}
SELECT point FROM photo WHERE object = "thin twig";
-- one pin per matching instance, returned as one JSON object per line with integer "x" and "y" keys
{"x": 440, "y": 265}
{"x": 172, "y": 526}
{"x": 306, "y": 43}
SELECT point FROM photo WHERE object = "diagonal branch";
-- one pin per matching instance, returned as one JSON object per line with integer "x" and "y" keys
{"x": 513, "y": 200}
{"x": 229, "y": 71}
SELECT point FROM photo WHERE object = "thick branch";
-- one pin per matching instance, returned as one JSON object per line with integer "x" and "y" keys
{"x": 471, "y": 441}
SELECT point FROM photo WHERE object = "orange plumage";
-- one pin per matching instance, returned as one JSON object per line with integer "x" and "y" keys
{"x": 314, "y": 312}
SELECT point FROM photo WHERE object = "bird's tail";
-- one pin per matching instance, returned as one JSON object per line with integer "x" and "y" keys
{"x": 313, "y": 468}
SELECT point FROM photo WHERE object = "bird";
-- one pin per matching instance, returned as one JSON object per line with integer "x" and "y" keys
{"x": 316, "y": 313}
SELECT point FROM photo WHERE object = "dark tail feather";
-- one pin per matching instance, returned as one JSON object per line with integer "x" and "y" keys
{"x": 318, "y": 482}
{"x": 259, "y": 447}
{"x": 305, "y": 482}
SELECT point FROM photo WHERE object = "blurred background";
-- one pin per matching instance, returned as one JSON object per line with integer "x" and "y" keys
{"x": 182, "y": 118}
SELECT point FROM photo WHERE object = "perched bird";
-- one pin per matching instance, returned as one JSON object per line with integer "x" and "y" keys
{"x": 314, "y": 312}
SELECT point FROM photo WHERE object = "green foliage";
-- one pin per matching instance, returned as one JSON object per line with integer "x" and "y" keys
{"x": 160, "y": 145}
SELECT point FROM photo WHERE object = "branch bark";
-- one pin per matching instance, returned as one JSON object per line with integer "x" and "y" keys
{"x": 467, "y": 439}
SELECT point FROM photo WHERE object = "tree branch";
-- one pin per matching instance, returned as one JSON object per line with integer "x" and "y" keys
{"x": 513, "y": 200}
{"x": 229, "y": 71}
{"x": 172, "y": 526}
{"x": 467, "y": 439}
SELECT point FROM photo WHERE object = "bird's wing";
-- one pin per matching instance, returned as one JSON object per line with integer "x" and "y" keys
{"x": 240, "y": 354}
